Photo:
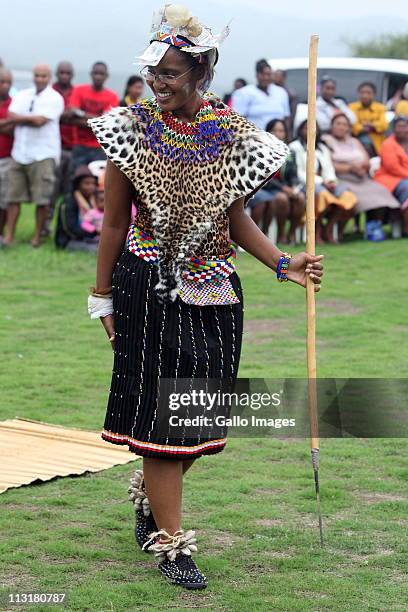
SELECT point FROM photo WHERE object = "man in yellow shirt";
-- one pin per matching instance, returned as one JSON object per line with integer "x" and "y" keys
{"x": 371, "y": 123}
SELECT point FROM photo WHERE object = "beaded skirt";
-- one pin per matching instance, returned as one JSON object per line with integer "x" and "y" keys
{"x": 172, "y": 340}
{"x": 203, "y": 281}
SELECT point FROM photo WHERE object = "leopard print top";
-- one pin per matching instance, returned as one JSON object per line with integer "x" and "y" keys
{"x": 215, "y": 244}
{"x": 185, "y": 204}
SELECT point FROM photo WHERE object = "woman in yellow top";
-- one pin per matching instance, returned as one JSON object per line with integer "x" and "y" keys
{"x": 401, "y": 110}
{"x": 371, "y": 123}
{"x": 133, "y": 91}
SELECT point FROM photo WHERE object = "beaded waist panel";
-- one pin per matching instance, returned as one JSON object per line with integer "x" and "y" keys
{"x": 204, "y": 282}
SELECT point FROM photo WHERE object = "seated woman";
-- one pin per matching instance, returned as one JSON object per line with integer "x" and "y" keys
{"x": 93, "y": 218}
{"x": 72, "y": 212}
{"x": 288, "y": 200}
{"x": 333, "y": 200}
{"x": 351, "y": 162}
{"x": 371, "y": 123}
{"x": 393, "y": 172}
{"x": 274, "y": 199}
{"x": 266, "y": 203}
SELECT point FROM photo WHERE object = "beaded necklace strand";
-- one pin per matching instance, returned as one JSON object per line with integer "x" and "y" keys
{"x": 196, "y": 142}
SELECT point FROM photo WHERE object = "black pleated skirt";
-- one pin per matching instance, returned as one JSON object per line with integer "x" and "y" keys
{"x": 154, "y": 340}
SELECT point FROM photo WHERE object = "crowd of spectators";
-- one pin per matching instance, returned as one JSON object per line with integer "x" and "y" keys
{"x": 361, "y": 160}
{"x": 50, "y": 157}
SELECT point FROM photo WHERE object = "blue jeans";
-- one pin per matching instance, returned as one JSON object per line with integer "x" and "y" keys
{"x": 262, "y": 196}
{"x": 401, "y": 191}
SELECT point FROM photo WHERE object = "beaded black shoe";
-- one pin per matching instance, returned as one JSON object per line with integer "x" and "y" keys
{"x": 145, "y": 523}
{"x": 174, "y": 556}
{"x": 184, "y": 572}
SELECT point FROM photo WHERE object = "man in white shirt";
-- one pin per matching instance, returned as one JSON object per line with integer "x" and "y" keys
{"x": 262, "y": 102}
{"x": 36, "y": 151}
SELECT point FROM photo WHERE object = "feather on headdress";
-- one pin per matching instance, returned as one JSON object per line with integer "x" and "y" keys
{"x": 174, "y": 25}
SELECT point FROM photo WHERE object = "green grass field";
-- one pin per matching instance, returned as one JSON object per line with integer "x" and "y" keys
{"x": 253, "y": 505}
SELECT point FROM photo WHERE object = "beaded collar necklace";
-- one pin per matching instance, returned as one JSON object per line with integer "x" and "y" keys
{"x": 196, "y": 142}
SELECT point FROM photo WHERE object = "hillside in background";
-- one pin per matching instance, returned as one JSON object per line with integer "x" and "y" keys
{"x": 87, "y": 31}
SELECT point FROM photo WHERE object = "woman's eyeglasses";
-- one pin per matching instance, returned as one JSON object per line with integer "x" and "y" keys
{"x": 168, "y": 79}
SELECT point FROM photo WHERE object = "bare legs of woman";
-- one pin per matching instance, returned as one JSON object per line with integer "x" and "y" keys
{"x": 164, "y": 486}
{"x": 392, "y": 215}
{"x": 346, "y": 215}
{"x": 405, "y": 222}
{"x": 319, "y": 230}
{"x": 170, "y": 543}
{"x": 257, "y": 213}
{"x": 318, "y": 222}
{"x": 297, "y": 209}
{"x": 334, "y": 214}
{"x": 356, "y": 228}
{"x": 279, "y": 207}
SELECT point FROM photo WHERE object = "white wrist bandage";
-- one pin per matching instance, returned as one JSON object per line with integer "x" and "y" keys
{"x": 99, "y": 307}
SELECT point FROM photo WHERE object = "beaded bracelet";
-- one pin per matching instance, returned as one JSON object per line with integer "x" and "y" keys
{"x": 282, "y": 267}
{"x": 100, "y": 291}
{"x": 103, "y": 293}
{"x": 106, "y": 296}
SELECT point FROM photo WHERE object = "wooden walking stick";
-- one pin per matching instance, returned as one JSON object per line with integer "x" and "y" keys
{"x": 310, "y": 248}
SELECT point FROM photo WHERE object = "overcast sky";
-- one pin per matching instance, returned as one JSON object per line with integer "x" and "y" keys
{"x": 86, "y": 30}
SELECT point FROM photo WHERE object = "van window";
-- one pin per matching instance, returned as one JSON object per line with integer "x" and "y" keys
{"x": 347, "y": 81}
{"x": 395, "y": 82}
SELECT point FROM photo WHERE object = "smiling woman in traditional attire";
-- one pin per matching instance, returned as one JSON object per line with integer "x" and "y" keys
{"x": 166, "y": 289}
